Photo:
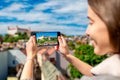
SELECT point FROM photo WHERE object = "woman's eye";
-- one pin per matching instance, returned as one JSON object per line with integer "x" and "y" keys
{"x": 90, "y": 23}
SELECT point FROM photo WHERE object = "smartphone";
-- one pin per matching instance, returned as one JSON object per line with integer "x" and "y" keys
{"x": 46, "y": 38}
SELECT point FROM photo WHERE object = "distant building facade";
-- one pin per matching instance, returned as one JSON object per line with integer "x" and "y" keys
{"x": 13, "y": 31}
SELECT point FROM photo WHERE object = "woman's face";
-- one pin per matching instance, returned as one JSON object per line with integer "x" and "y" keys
{"x": 97, "y": 31}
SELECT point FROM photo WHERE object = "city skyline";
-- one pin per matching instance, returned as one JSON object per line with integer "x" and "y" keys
{"x": 46, "y": 34}
{"x": 66, "y": 16}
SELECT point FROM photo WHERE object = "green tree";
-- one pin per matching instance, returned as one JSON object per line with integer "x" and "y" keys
{"x": 9, "y": 38}
{"x": 71, "y": 45}
{"x": 1, "y": 38}
{"x": 22, "y": 35}
{"x": 85, "y": 53}
{"x": 5, "y": 37}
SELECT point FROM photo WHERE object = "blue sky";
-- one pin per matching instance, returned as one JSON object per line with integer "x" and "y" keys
{"x": 51, "y": 34}
{"x": 66, "y": 16}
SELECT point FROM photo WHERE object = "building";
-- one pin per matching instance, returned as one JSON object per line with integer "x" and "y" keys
{"x": 8, "y": 62}
{"x": 13, "y": 31}
{"x": 3, "y": 65}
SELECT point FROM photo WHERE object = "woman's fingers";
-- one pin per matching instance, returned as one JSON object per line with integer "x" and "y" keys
{"x": 31, "y": 41}
{"x": 59, "y": 39}
{"x": 63, "y": 40}
{"x": 34, "y": 40}
{"x": 31, "y": 45}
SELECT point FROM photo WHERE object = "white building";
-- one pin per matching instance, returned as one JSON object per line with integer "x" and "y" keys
{"x": 13, "y": 31}
{"x": 3, "y": 65}
{"x": 10, "y": 58}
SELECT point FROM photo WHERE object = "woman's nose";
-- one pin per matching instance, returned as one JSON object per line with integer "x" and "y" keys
{"x": 88, "y": 31}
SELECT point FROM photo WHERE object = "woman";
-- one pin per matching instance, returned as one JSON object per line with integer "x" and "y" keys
{"x": 104, "y": 31}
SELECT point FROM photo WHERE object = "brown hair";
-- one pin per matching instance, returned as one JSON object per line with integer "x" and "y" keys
{"x": 109, "y": 13}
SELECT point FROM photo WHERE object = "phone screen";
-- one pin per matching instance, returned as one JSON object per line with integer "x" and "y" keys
{"x": 46, "y": 38}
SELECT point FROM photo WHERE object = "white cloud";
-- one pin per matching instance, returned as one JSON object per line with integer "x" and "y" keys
{"x": 13, "y": 7}
{"x": 74, "y": 8}
{"x": 46, "y": 5}
{"x": 45, "y": 27}
{"x": 64, "y": 29}
{"x": 32, "y": 16}
{"x": 26, "y": 16}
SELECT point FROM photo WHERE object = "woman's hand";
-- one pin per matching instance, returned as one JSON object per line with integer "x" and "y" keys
{"x": 31, "y": 48}
{"x": 63, "y": 48}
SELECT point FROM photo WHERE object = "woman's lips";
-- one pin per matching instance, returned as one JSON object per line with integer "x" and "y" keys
{"x": 91, "y": 41}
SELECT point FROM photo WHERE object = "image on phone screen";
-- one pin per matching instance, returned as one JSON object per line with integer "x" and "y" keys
{"x": 47, "y": 38}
